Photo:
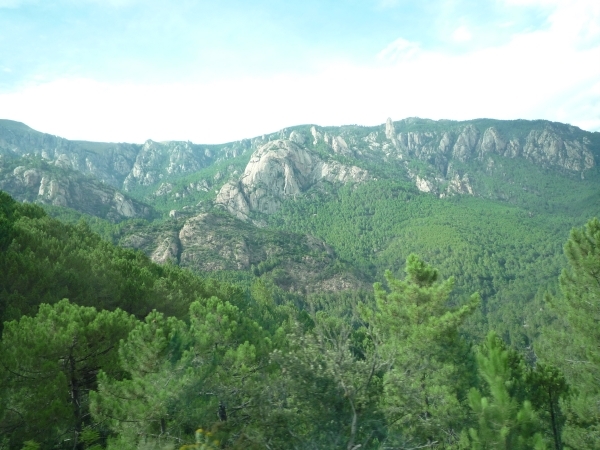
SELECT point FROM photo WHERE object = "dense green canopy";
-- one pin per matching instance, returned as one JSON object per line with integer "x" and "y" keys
{"x": 102, "y": 348}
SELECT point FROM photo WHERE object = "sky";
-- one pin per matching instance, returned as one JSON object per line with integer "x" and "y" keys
{"x": 215, "y": 71}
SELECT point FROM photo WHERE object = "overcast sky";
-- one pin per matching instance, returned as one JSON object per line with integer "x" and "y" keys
{"x": 222, "y": 70}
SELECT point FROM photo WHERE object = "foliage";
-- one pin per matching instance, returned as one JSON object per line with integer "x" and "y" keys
{"x": 332, "y": 376}
{"x": 427, "y": 378}
{"x": 258, "y": 367}
{"x": 502, "y": 251}
{"x": 179, "y": 375}
{"x": 505, "y": 420}
{"x": 44, "y": 260}
{"x": 572, "y": 343}
{"x": 49, "y": 367}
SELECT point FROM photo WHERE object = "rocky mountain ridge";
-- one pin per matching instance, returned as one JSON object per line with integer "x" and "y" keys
{"x": 444, "y": 160}
{"x": 121, "y": 165}
{"x": 439, "y": 157}
{"x": 253, "y": 179}
{"x": 446, "y": 147}
{"x": 36, "y": 181}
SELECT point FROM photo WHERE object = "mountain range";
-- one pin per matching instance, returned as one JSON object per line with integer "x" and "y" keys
{"x": 328, "y": 209}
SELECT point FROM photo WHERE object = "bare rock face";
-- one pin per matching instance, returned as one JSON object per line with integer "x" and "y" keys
{"x": 199, "y": 237}
{"x": 72, "y": 190}
{"x": 297, "y": 138}
{"x": 168, "y": 249}
{"x": 233, "y": 197}
{"x": 390, "y": 130}
{"x": 124, "y": 206}
{"x": 145, "y": 169}
{"x": 445, "y": 143}
{"x": 546, "y": 147}
{"x": 278, "y": 170}
{"x": 208, "y": 242}
{"x": 317, "y": 136}
{"x": 121, "y": 165}
{"x": 554, "y": 146}
{"x": 32, "y": 177}
{"x": 424, "y": 185}
{"x": 338, "y": 144}
{"x": 492, "y": 142}
{"x": 108, "y": 162}
{"x": 465, "y": 143}
{"x": 422, "y": 145}
{"x": 459, "y": 185}
{"x": 158, "y": 159}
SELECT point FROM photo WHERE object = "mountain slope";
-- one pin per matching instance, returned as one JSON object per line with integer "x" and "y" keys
{"x": 489, "y": 202}
{"x": 210, "y": 242}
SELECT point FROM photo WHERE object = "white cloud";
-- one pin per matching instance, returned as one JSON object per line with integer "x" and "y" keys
{"x": 461, "y": 34}
{"x": 399, "y": 50}
{"x": 552, "y": 73}
{"x": 572, "y": 19}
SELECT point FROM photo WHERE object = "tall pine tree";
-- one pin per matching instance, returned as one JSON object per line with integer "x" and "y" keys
{"x": 505, "y": 420}
{"x": 427, "y": 378}
{"x": 572, "y": 342}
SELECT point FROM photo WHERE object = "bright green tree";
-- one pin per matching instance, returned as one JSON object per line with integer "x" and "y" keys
{"x": 428, "y": 375}
{"x": 143, "y": 406}
{"x": 48, "y": 367}
{"x": 504, "y": 422}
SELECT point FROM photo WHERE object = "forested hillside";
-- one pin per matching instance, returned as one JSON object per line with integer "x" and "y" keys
{"x": 103, "y": 348}
{"x": 402, "y": 286}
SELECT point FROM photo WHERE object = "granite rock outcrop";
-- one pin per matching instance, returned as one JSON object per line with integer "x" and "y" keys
{"x": 279, "y": 170}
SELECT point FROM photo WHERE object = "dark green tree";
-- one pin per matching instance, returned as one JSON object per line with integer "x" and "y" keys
{"x": 332, "y": 375}
{"x": 209, "y": 373}
{"x": 572, "y": 342}
{"x": 143, "y": 406}
{"x": 546, "y": 386}
{"x": 48, "y": 367}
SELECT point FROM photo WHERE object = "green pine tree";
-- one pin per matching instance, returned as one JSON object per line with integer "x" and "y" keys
{"x": 48, "y": 368}
{"x": 546, "y": 386}
{"x": 572, "y": 342}
{"x": 178, "y": 376}
{"x": 428, "y": 373}
{"x": 504, "y": 422}
{"x": 331, "y": 374}
{"x": 144, "y": 405}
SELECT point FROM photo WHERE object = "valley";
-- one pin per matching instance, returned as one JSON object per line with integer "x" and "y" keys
{"x": 273, "y": 244}
{"x": 332, "y": 208}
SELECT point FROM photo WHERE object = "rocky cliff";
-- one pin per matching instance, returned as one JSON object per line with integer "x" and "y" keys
{"x": 121, "y": 165}
{"x": 211, "y": 242}
{"x": 109, "y": 163}
{"x": 39, "y": 182}
{"x": 252, "y": 178}
{"x": 256, "y": 175}
{"x": 279, "y": 170}
{"x": 446, "y": 157}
